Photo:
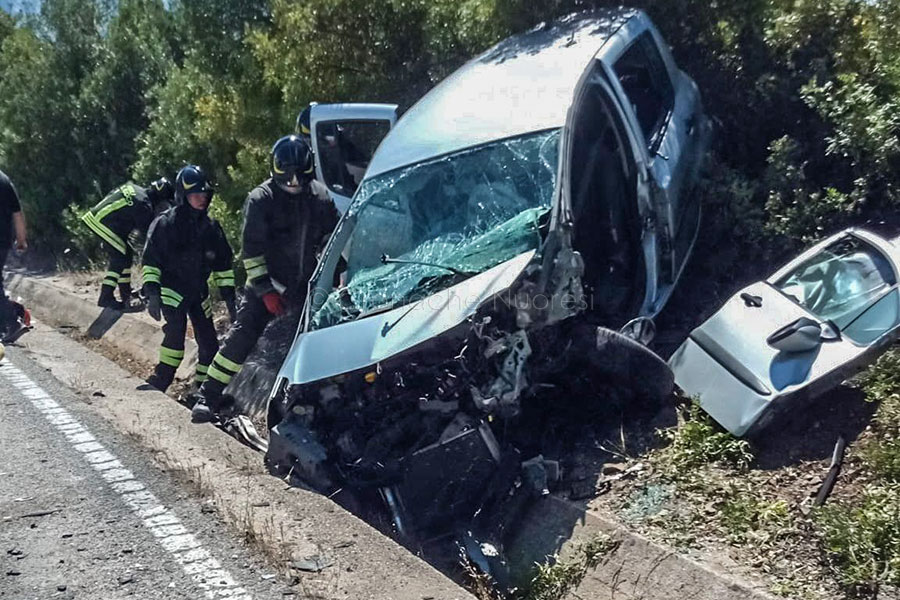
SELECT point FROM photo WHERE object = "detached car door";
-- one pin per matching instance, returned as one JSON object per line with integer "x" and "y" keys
{"x": 777, "y": 343}
{"x": 344, "y": 138}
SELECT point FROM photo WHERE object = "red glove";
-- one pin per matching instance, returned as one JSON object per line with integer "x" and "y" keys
{"x": 274, "y": 303}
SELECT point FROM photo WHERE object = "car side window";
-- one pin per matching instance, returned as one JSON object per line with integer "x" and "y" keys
{"x": 840, "y": 282}
{"x": 876, "y": 321}
{"x": 645, "y": 79}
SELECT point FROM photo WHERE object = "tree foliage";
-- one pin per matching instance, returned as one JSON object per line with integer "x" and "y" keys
{"x": 94, "y": 92}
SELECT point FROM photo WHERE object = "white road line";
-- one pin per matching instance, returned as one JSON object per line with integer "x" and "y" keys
{"x": 197, "y": 562}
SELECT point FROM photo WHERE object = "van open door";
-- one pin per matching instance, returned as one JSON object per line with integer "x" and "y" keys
{"x": 344, "y": 138}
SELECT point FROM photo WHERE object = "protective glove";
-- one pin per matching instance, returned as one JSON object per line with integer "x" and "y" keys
{"x": 231, "y": 305}
{"x": 153, "y": 306}
{"x": 274, "y": 303}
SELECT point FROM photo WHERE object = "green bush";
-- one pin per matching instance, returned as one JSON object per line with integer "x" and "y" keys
{"x": 881, "y": 384}
{"x": 556, "y": 578}
{"x": 862, "y": 538}
{"x": 698, "y": 441}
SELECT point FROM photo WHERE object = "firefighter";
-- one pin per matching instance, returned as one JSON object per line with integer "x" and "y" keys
{"x": 127, "y": 208}
{"x": 11, "y": 220}
{"x": 184, "y": 246}
{"x": 284, "y": 223}
{"x": 303, "y": 127}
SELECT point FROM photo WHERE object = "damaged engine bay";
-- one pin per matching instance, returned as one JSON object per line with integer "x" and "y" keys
{"x": 455, "y": 438}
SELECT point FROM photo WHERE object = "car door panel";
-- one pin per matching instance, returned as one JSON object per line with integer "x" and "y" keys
{"x": 666, "y": 107}
{"x": 849, "y": 282}
{"x": 603, "y": 76}
{"x": 344, "y": 138}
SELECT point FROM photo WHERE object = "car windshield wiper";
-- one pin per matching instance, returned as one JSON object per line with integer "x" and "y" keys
{"x": 385, "y": 259}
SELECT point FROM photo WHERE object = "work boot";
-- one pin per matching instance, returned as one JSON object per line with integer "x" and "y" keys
{"x": 15, "y": 332}
{"x": 201, "y": 412}
{"x": 108, "y": 299}
{"x": 212, "y": 408}
{"x": 157, "y": 382}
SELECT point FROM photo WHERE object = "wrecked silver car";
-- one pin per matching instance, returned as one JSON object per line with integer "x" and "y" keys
{"x": 537, "y": 193}
{"x": 778, "y": 343}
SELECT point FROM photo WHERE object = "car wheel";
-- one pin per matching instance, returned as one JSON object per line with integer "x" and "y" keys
{"x": 633, "y": 365}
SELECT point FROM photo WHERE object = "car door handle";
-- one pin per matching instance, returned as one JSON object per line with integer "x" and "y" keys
{"x": 751, "y": 301}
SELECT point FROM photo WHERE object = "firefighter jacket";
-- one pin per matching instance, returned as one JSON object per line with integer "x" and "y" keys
{"x": 281, "y": 235}
{"x": 184, "y": 246}
{"x": 123, "y": 210}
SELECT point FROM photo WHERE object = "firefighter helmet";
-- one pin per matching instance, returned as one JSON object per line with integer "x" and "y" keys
{"x": 162, "y": 190}
{"x": 191, "y": 179}
{"x": 303, "y": 126}
{"x": 292, "y": 163}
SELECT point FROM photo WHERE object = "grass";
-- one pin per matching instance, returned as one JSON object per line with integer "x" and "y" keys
{"x": 861, "y": 535}
{"x": 748, "y": 517}
{"x": 862, "y": 538}
{"x": 555, "y": 578}
{"x": 699, "y": 441}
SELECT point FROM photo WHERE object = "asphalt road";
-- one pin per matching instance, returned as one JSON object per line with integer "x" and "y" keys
{"x": 85, "y": 513}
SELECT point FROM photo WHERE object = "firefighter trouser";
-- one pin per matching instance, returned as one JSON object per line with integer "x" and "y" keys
{"x": 7, "y": 312}
{"x": 171, "y": 353}
{"x": 119, "y": 272}
{"x": 252, "y": 318}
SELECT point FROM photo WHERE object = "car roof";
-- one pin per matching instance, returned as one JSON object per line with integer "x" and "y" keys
{"x": 523, "y": 84}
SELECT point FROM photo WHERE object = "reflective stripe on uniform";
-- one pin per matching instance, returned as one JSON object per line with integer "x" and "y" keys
{"x": 254, "y": 261}
{"x": 125, "y": 277}
{"x": 105, "y": 233}
{"x": 201, "y": 373}
{"x": 222, "y": 369}
{"x": 224, "y": 278}
{"x": 170, "y": 297}
{"x": 151, "y": 274}
{"x": 259, "y": 271}
{"x": 256, "y": 266}
{"x": 111, "y": 278}
{"x": 206, "y": 305}
{"x": 219, "y": 376}
{"x": 168, "y": 356}
{"x": 224, "y": 362}
{"x": 111, "y": 208}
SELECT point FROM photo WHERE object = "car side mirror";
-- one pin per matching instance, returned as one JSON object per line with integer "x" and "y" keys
{"x": 802, "y": 335}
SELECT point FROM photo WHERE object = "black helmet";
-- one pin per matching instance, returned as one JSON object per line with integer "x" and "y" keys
{"x": 303, "y": 127}
{"x": 190, "y": 180}
{"x": 162, "y": 190}
{"x": 292, "y": 162}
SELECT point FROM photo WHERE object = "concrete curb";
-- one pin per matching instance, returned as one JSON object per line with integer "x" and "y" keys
{"x": 290, "y": 524}
{"x": 636, "y": 568}
{"x": 60, "y": 308}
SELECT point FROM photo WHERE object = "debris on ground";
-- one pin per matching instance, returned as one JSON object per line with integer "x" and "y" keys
{"x": 312, "y": 564}
{"x": 837, "y": 459}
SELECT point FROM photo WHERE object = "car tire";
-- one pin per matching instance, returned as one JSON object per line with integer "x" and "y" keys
{"x": 633, "y": 365}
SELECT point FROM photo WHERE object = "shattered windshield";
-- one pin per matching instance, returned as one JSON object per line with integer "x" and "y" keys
{"x": 462, "y": 213}
{"x": 841, "y": 281}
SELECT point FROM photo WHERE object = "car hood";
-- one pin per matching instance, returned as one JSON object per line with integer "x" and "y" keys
{"x": 350, "y": 346}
